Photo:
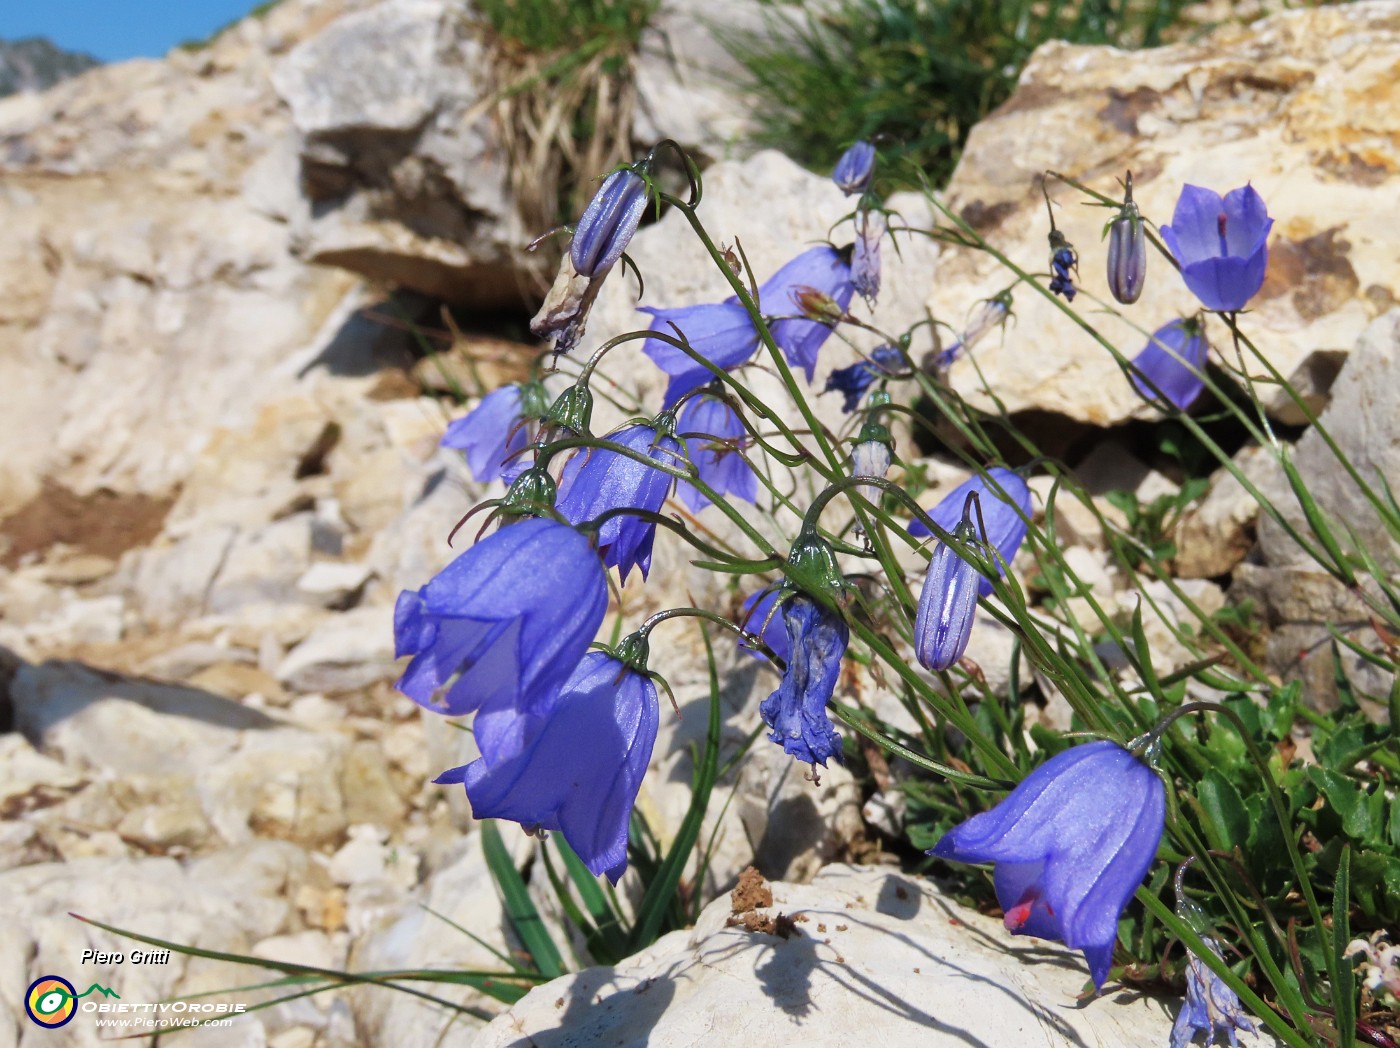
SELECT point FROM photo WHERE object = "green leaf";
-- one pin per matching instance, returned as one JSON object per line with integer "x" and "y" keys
{"x": 605, "y": 918}
{"x": 1228, "y": 823}
{"x": 520, "y": 910}
{"x": 1344, "y": 993}
{"x": 1347, "y": 800}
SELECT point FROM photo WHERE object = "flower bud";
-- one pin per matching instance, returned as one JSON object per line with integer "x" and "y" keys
{"x": 817, "y": 305}
{"x": 1127, "y": 251}
{"x": 871, "y": 457}
{"x": 608, "y": 222}
{"x": 947, "y": 604}
{"x": 855, "y": 170}
{"x": 865, "y": 255}
{"x": 1063, "y": 259}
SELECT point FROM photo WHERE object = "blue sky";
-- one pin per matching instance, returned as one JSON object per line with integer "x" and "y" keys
{"x": 117, "y": 29}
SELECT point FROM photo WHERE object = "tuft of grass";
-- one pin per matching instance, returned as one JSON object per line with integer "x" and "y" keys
{"x": 542, "y": 26}
{"x": 921, "y": 72}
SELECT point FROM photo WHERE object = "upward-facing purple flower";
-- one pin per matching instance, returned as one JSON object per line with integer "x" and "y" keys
{"x": 577, "y": 770}
{"x": 490, "y": 631}
{"x": 758, "y": 616}
{"x": 817, "y": 637}
{"x": 1221, "y": 244}
{"x": 493, "y": 436}
{"x": 1171, "y": 360}
{"x": 1211, "y": 1007}
{"x": 1006, "y": 520}
{"x": 597, "y": 480}
{"x": 722, "y": 332}
{"x": 822, "y": 269}
{"x": 608, "y": 222}
{"x": 713, "y": 434}
{"x": 855, "y": 170}
{"x": 1071, "y": 844}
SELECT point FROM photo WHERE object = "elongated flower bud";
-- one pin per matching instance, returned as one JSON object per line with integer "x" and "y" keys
{"x": 947, "y": 605}
{"x": 1127, "y": 251}
{"x": 608, "y": 222}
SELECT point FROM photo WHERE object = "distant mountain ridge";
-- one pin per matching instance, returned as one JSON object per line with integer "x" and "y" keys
{"x": 35, "y": 63}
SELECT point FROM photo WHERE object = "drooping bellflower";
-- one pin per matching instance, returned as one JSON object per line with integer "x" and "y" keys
{"x": 865, "y": 254}
{"x": 947, "y": 603}
{"x": 596, "y": 480}
{"x": 721, "y": 332}
{"x": 1210, "y": 1008}
{"x": 1007, "y": 521}
{"x": 1171, "y": 360}
{"x": 817, "y": 636}
{"x": 1071, "y": 844}
{"x": 1127, "y": 250}
{"x": 713, "y": 434}
{"x": 852, "y": 382}
{"x": 494, "y": 434}
{"x": 603, "y": 233}
{"x": 872, "y": 456}
{"x": 855, "y": 170}
{"x": 1221, "y": 244}
{"x": 577, "y": 770}
{"x": 823, "y": 270}
{"x": 759, "y": 617}
{"x": 489, "y": 631}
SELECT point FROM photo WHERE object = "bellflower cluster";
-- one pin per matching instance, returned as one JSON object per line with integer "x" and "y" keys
{"x": 1221, "y": 245}
{"x": 577, "y": 770}
{"x": 598, "y": 480}
{"x": 1171, "y": 361}
{"x": 495, "y": 433}
{"x": 714, "y": 436}
{"x": 1006, "y": 516}
{"x": 1071, "y": 844}
{"x": 852, "y": 382}
{"x": 796, "y": 712}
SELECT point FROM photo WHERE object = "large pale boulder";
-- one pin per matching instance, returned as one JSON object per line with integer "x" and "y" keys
{"x": 1302, "y": 105}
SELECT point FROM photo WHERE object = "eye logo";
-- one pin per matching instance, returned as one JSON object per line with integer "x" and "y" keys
{"x": 50, "y": 1001}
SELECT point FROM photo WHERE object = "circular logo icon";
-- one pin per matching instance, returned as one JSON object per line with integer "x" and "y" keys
{"x": 51, "y": 1001}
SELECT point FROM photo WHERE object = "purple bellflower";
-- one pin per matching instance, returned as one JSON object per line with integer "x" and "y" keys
{"x": 758, "y": 616}
{"x": 713, "y": 433}
{"x": 852, "y": 382}
{"x": 855, "y": 170}
{"x": 721, "y": 332}
{"x": 1170, "y": 361}
{"x": 596, "y": 480}
{"x": 865, "y": 254}
{"x": 1211, "y": 1007}
{"x": 494, "y": 434}
{"x": 823, "y": 270}
{"x": 948, "y": 603}
{"x": 490, "y": 632}
{"x": 577, "y": 770}
{"x": 817, "y": 637}
{"x": 1221, "y": 244}
{"x": 1006, "y": 521}
{"x": 1071, "y": 844}
{"x": 609, "y": 222}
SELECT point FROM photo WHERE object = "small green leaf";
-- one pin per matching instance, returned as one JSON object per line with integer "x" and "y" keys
{"x": 1229, "y": 823}
{"x": 520, "y": 909}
